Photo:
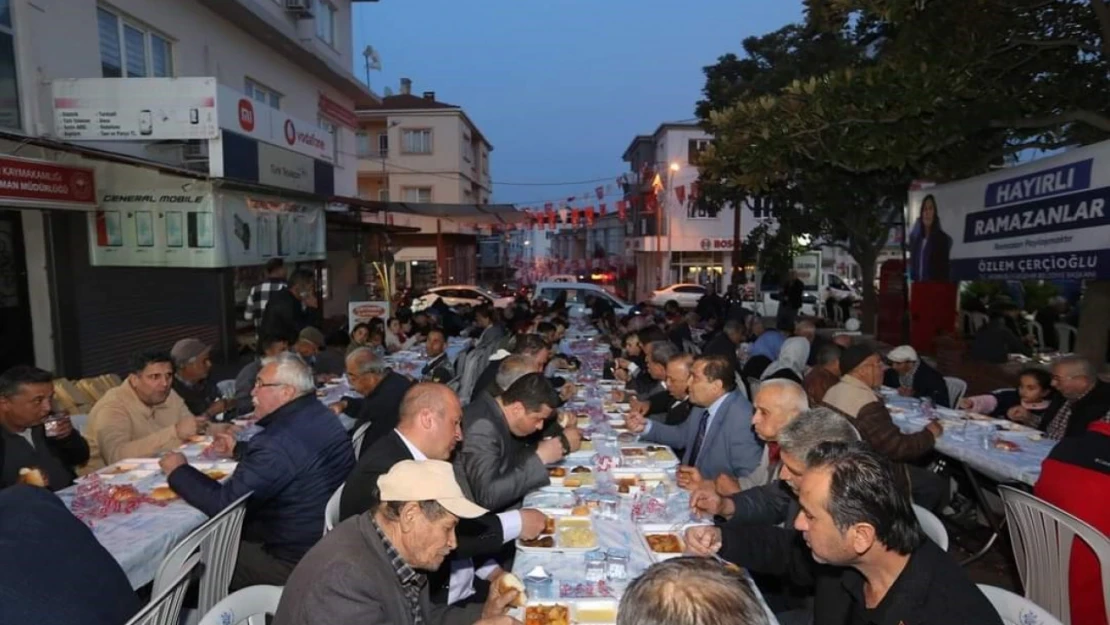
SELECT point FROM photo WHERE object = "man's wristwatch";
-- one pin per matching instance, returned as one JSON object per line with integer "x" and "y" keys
{"x": 566, "y": 444}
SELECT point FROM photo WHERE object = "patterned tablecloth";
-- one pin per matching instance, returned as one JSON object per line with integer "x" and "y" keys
{"x": 974, "y": 441}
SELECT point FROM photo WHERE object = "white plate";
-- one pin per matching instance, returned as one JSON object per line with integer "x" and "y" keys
{"x": 663, "y": 528}
{"x": 580, "y": 611}
{"x": 561, "y": 524}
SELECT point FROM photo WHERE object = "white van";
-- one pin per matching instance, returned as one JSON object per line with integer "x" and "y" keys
{"x": 576, "y": 296}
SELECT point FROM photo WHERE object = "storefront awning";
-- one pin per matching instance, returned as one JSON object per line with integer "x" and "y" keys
{"x": 466, "y": 213}
{"x": 352, "y": 222}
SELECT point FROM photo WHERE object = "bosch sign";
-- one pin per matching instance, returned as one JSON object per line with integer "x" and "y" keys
{"x": 716, "y": 244}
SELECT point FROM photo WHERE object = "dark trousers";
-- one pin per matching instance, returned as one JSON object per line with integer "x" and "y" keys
{"x": 255, "y": 567}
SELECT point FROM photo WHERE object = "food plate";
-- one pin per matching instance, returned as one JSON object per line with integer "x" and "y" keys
{"x": 659, "y": 539}
{"x": 657, "y": 455}
{"x": 632, "y": 482}
{"x": 162, "y": 492}
{"x": 573, "y": 534}
{"x": 571, "y": 477}
{"x": 550, "y": 498}
{"x": 576, "y": 611}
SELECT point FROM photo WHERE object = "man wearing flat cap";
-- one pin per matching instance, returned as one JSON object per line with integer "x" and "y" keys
{"x": 192, "y": 361}
{"x": 914, "y": 377}
{"x": 371, "y": 568}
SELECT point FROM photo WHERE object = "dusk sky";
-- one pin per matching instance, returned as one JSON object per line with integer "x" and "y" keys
{"x": 559, "y": 88}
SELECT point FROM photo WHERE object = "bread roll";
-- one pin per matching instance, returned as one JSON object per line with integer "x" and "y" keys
{"x": 32, "y": 477}
{"x": 509, "y": 582}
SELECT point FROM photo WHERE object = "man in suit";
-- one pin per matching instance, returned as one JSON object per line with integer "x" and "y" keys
{"x": 915, "y": 378}
{"x": 429, "y": 429}
{"x": 370, "y": 569}
{"x": 25, "y": 442}
{"x": 678, "y": 386}
{"x": 382, "y": 390}
{"x": 718, "y": 438}
{"x": 439, "y": 367}
{"x": 531, "y": 346}
{"x": 497, "y": 460}
{"x": 658, "y": 403}
{"x": 726, "y": 342}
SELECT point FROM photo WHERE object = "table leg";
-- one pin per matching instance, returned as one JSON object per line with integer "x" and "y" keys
{"x": 984, "y": 507}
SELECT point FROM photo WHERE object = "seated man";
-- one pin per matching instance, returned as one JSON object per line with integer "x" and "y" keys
{"x": 717, "y": 437}
{"x": 1086, "y": 398}
{"x": 429, "y": 428}
{"x": 495, "y": 456}
{"x": 531, "y": 346}
{"x": 439, "y": 367}
{"x": 867, "y": 557}
{"x": 687, "y": 590}
{"x": 291, "y": 467}
{"x": 57, "y": 572}
{"x": 268, "y": 347}
{"x": 655, "y": 405}
{"x": 25, "y": 442}
{"x": 370, "y": 569}
{"x": 382, "y": 390}
{"x": 142, "y": 417}
{"x": 192, "y": 361}
{"x": 825, "y": 373}
{"x": 726, "y": 342}
{"x": 915, "y": 378}
{"x": 678, "y": 387}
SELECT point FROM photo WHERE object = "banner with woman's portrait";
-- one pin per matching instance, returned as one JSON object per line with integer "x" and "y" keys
{"x": 1048, "y": 219}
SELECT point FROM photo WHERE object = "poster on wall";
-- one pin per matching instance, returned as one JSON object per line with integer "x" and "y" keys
{"x": 1046, "y": 220}
{"x": 363, "y": 312}
{"x": 148, "y": 227}
{"x": 256, "y": 229}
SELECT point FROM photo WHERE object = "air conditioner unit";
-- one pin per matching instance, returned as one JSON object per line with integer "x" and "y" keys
{"x": 300, "y": 8}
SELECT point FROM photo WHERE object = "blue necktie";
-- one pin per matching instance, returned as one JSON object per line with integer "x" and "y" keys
{"x": 699, "y": 439}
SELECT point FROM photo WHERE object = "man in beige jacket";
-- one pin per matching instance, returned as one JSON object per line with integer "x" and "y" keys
{"x": 141, "y": 417}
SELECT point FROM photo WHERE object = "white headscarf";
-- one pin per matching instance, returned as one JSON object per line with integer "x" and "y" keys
{"x": 793, "y": 356}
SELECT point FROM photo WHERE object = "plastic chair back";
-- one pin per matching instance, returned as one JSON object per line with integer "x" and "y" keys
{"x": 956, "y": 390}
{"x": 1066, "y": 335}
{"x": 1015, "y": 609}
{"x": 331, "y": 511}
{"x": 1042, "y": 536}
{"x": 249, "y": 605}
{"x": 358, "y": 436}
{"x": 165, "y": 606}
{"x": 932, "y": 526}
{"x": 217, "y": 545}
{"x": 226, "y": 388}
{"x": 1038, "y": 332}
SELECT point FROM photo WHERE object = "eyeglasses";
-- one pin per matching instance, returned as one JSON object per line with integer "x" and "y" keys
{"x": 260, "y": 384}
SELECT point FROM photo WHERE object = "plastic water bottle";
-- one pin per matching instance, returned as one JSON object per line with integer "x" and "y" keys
{"x": 927, "y": 408}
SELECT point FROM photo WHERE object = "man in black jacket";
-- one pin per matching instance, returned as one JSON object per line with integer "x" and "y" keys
{"x": 726, "y": 342}
{"x": 26, "y": 442}
{"x": 291, "y": 310}
{"x": 1086, "y": 398}
{"x": 658, "y": 402}
{"x": 382, "y": 390}
{"x": 867, "y": 558}
{"x": 915, "y": 378}
{"x": 429, "y": 428}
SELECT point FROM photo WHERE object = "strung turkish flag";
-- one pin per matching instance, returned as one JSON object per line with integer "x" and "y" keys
{"x": 600, "y": 191}
{"x": 574, "y": 217}
{"x": 622, "y": 209}
{"x": 680, "y": 193}
{"x": 590, "y": 216}
{"x": 651, "y": 202}
{"x": 601, "y": 208}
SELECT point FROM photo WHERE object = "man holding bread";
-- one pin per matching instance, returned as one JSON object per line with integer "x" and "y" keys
{"x": 372, "y": 570}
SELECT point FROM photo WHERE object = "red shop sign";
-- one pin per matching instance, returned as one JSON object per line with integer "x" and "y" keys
{"x": 43, "y": 183}
{"x": 337, "y": 112}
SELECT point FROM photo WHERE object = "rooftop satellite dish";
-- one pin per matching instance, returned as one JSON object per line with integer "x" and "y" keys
{"x": 373, "y": 61}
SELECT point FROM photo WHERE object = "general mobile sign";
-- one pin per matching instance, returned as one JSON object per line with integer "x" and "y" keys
{"x": 1045, "y": 220}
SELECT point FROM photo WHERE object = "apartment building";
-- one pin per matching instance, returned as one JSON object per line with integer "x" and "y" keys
{"x": 157, "y": 153}
{"x": 415, "y": 149}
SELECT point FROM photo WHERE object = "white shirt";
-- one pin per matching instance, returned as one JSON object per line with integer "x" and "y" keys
{"x": 462, "y": 569}
{"x": 712, "y": 410}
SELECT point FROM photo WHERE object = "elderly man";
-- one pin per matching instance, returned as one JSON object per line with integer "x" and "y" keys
{"x": 678, "y": 386}
{"x": 682, "y": 591}
{"x": 1086, "y": 398}
{"x": 192, "y": 361}
{"x": 726, "y": 342}
{"x": 290, "y": 469}
{"x": 498, "y": 463}
{"x": 382, "y": 389}
{"x": 532, "y": 346}
{"x": 429, "y": 429}
{"x": 718, "y": 438}
{"x": 914, "y": 378}
{"x": 141, "y": 417}
{"x": 867, "y": 557}
{"x": 656, "y": 404}
{"x": 368, "y": 570}
{"x": 439, "y": 367}
{"x": 26, "y": 444}
{"x": 825, "y": 372}
{"x": 268, "y": 347}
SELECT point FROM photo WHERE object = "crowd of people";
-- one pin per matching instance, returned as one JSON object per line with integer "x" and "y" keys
{"x": 782, "y": 437}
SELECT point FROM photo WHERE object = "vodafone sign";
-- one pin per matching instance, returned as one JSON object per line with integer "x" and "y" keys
{"x": 240, "y": 114}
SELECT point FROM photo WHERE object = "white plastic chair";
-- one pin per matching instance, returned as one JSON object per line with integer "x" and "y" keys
{"x": 1015, "y": 609}
{"x": 331, "y": 511}
{"x": 249, "y": 605}
{"x": 932, "y": 526}
{"x": 216, "y": 544}
{"x": 226, "y": 388}
{"x": 1042, "y": 536}
{"x": 956, "y": 390}
{"x": 358, "y": 436}
{"x": 1038, "y": 332}
{"x": 165, "y": 606}
{"x": 1066, "y": 336}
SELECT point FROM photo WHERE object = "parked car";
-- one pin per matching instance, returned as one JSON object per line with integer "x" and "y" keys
{"x": 460, "y": 295}
{"x": 576, "y": 296}
{"x": 687, "y": 295}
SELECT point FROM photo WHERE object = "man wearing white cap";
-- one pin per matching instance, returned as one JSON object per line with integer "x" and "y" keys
{"x": 915, "y": 378}
{"x": 367, "y": 570}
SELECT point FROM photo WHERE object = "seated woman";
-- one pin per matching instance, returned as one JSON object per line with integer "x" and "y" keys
{"x": 360, "y": 336}
{"x": 395, "y": 337}
{"x": 1027, "y": 404}
{"x": 791, "y": 363}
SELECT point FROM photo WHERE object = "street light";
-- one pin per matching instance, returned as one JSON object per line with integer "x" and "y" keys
{"x": 674, "y": 168}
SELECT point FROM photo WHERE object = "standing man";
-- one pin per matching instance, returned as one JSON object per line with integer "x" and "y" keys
{"x": 718, "y": 438}
{"x": 27, "y": 444}
{"x": 292, "y": 309}
{"x": 192, "y": 361}
{"x": 259, "y": 296}
{"x": 290, "y": 469}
